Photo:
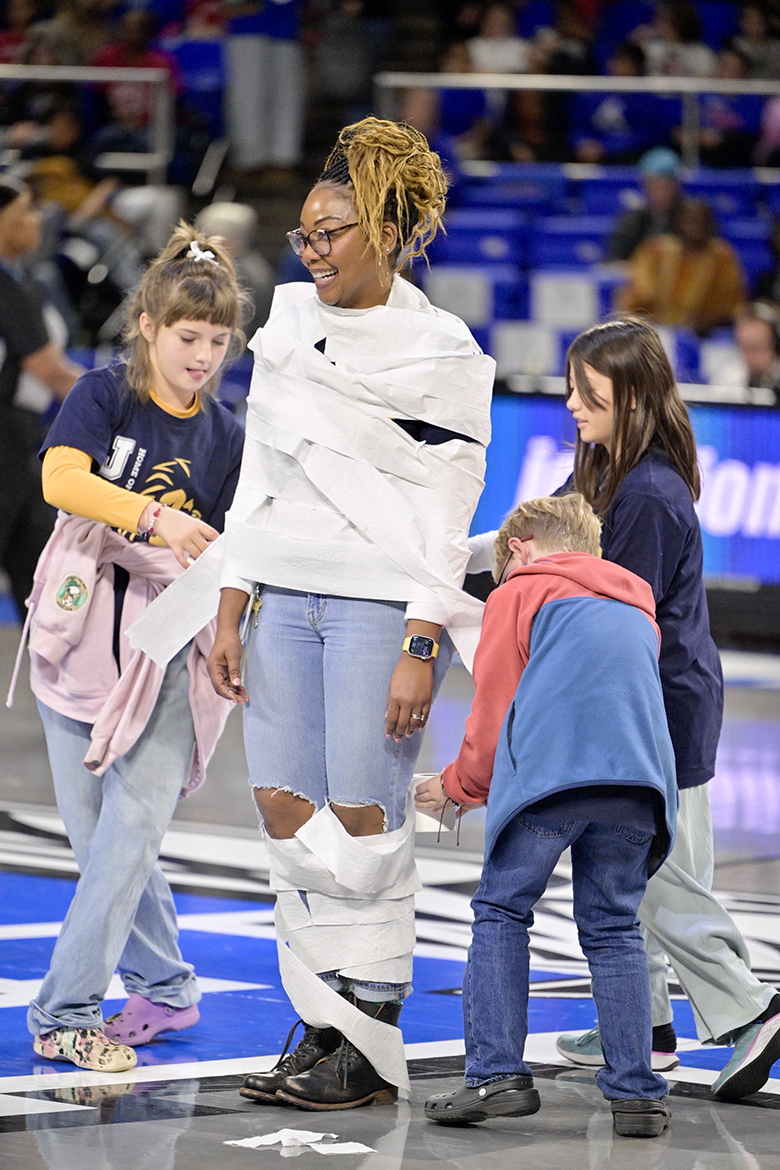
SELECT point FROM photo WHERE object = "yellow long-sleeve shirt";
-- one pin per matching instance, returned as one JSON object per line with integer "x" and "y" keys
{"x": 69, "y": 483}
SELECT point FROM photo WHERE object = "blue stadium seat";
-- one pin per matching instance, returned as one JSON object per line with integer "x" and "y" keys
{"x": 478, "y": 293}
{"x": 750, "y": 237}
{"x": 541, "y": 187}
{"x": 570, "y": 241}
{"x": 770, "y": 196}
{"x": 687, "y": 350}
{"x": 481, "y": 236}
{"x": 614, "y": 191}
{"x": 719, "y": 21}
{"x": 729, "y": 193}
{"x": 621, "y": 19}
{"x": 533, "y": 15}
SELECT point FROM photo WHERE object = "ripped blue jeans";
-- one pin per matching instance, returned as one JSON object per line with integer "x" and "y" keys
{"x": 318, "y": 671}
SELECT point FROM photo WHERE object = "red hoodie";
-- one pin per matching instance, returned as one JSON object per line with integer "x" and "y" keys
{"x": 504, "y": 646}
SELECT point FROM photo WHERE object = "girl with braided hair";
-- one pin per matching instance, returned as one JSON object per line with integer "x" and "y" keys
{"x": 368, "y": 419}
{"x": 142, "y": 463}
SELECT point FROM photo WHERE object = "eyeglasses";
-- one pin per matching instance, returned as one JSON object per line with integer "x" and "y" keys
{"x": 319, "y": 240}
{"x": 505, "y": 566}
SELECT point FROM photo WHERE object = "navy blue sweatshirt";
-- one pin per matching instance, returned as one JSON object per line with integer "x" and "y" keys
{"x": 652, "y": 529}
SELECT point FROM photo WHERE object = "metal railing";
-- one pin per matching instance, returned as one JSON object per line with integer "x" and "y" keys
{"x": 554, "y": 386}
{"x": 161, "y": 130}
{"x": 388, "y": 85}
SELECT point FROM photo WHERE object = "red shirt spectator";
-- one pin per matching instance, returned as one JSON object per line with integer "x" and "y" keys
{"x": 130, "y": 103}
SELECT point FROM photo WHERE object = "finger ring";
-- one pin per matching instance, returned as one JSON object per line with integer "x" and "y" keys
{"x": 418, "y": 716}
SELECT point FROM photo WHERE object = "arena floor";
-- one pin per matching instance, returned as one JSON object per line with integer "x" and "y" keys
{"x": 180, "y": 1106}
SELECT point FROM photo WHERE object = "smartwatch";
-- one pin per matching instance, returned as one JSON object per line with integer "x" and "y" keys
{"x": 418, "y": 646}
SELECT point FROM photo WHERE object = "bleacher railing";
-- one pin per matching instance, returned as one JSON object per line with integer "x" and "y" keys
{"x": 387, "y": 86}
{"x": 695, "y": 392}
{"x": 161, "y": 128}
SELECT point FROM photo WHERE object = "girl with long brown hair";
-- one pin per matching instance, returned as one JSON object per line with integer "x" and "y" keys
{"x": 635, "y": 462}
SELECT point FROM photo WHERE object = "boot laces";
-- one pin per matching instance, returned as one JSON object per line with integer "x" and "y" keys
{"x": 308, "y": 1041}
{"x": 347, "y": 1057}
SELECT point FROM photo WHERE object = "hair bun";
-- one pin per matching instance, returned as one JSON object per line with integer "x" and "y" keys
{"x": 395, "y": 176}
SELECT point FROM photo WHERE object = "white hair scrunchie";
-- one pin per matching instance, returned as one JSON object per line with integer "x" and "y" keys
{"x": 197, "y": 253}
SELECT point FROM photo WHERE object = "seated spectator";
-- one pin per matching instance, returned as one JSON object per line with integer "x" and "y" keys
{"x": 204, "y": 20}
{"x": 26, "y": 107}
{"x": 455, "y": 121}
{"x": 19, "y": 15}
{"x": 617, "y": 127}
{"x": 237, "y": 223}
{"x": 467, "y": 19}
{"x": 534, "y": 127}
{"x": 691, "y": 279}
{"x": 729, "y": 124}
{"x": 342, "y": 49}
{"x": 672, "y": 42}
{"x": 767, "y": 148}
{"x": 757, "y": 334}
{"x": 59, "y": 169}
{"x": 566, "y": 45}
{"x": 82, "y": 25}
{"x": 498, "y": 48}
{"x": 768, "y": 283}
{"x": 130, "y": 105}
{"x": 659, "y": 170}
{"x": 758, "y": 43}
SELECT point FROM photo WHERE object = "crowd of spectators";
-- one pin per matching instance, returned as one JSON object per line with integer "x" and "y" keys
{"x": 672, "y": 38}
{"x": 269, "y": 74}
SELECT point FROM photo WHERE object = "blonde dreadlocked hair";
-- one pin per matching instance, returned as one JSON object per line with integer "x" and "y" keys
{"x": 395, "y": 176}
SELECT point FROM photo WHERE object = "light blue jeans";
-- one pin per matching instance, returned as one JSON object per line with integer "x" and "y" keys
{"x": 122, "y": 914}
{"x": 318, "y": 672}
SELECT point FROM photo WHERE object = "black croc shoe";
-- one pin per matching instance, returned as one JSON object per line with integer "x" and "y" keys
{"x": 641, "y": 1117}
{"x": 514, "y": 1097}
{"x": 315, "y": 1044}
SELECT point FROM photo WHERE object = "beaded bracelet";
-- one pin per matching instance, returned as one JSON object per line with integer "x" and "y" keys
{"x": 149, "y": 530}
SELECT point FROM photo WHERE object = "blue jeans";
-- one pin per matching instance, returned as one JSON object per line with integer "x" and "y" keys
{"x": 318, "y": 671}
{"x": 122, "y": 914}
{"x": 609, "y": 875}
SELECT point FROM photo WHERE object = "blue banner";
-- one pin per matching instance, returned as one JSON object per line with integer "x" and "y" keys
{"x": 739, "y": 452}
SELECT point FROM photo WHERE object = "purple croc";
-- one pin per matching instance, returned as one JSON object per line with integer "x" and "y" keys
{"x": 141, "y": 1020}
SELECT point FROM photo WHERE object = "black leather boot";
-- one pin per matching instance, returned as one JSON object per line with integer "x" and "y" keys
{"x": 345, "y": 1079}
{"x": 314, "y": 1045}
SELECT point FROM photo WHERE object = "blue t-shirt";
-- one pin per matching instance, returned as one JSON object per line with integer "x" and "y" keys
{"x": 652, "y": 529}
{"x": 187, "y": 463}
{"x": 279, "y": 19}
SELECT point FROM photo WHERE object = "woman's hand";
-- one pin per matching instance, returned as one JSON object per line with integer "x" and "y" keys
{"x": 224, "y": 662}
{"x": 185, "y": 536}
{"x": 430, "y": 795}
{"x": 409, "y": 698}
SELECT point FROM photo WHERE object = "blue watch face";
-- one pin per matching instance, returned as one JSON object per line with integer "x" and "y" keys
{"x": 420, "y": 646}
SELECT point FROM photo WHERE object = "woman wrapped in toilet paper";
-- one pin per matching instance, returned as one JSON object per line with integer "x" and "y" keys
{"x": 368, "y": 419}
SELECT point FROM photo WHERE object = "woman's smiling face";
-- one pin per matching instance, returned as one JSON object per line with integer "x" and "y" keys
{"x": 349, "y": 277}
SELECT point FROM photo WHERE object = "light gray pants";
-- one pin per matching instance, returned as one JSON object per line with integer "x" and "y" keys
{"x": 680, "y": 918}
{"x": 265, "y": 101}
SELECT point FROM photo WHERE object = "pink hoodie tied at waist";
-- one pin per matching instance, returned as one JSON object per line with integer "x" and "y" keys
{"x": 72, "y": 664}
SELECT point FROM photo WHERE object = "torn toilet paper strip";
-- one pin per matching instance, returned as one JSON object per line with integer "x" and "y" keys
{"x": 290, "y": 1138}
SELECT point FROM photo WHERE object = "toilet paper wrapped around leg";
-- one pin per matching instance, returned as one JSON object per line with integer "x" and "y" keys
{"x": 346, "y": 904}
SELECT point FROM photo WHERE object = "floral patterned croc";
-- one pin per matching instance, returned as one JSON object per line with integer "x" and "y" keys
{"x": 85, "y": 1047}
{"x": 140, "y": 1020}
